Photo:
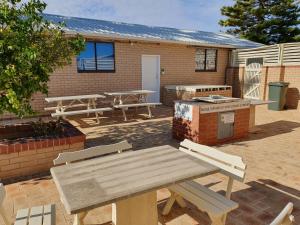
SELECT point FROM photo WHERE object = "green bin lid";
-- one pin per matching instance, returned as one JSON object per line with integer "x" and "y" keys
{"x": 279, "y": 84}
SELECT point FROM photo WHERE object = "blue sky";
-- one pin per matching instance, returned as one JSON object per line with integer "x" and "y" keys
{"x": 188, "y": 14}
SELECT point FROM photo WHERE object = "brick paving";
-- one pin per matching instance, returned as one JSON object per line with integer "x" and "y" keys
{"x": 272, "y": 155}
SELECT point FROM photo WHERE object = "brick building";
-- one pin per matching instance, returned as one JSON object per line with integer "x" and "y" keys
{"x": 122, "y": 56}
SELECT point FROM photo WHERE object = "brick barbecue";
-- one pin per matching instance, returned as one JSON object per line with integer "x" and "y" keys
{"x": 186, "y": 92}
{"x": 210, "y": 122}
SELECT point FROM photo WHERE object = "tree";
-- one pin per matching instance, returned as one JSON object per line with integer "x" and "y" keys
{"x": 31, "y": 48}
{"x": 263, "y": 21}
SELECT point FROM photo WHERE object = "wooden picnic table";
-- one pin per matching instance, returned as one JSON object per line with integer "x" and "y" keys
{"x": 122, "y": 96}
{"x": 91, "y": 101}
{"x": 129, "y": 180}
{"x": 138, "y": 99}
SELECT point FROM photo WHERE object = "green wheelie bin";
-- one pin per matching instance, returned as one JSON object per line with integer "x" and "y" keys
{"x": 277, "y": 93}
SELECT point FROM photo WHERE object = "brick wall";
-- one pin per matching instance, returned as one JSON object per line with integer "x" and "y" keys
{"x": 33, "y": 155}
{"x": 203, "y": 129}
{"x": 177, "y": 60}
{"x": 291, "y": 74}
{"x": 234, "y": 78}
{"x": 241, "y": 124}
{"x": 34, "y": 161}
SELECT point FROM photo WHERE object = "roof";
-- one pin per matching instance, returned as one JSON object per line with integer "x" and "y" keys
{"x": 104, "y": 28}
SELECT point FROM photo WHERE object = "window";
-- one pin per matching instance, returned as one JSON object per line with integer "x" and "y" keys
{"x": 97, "y": 57}
{"x": 206, "y": 59}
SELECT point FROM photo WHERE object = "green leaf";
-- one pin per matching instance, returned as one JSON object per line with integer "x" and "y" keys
{"x": 30, "y": 50}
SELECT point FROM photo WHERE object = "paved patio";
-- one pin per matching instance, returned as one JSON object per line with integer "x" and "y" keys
{"x": 272, "y": 155}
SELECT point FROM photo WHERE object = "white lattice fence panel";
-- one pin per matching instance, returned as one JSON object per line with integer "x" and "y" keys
{"x": 252, "y": 79}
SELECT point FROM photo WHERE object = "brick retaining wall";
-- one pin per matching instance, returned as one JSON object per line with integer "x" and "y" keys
{"x": 30, "y": 156}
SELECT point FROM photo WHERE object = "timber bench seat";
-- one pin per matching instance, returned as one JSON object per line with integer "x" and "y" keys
{"x": 56, "y": 108}
{"x": 69, "y": 157}
{"x": 85, "y": 111}
{"x": 66, "y": 102}
{"x": 204, "y": 198}
{"x": 37, "y": 215}
{"x": 125, "y": 107}
{"x": 214, "y": 204}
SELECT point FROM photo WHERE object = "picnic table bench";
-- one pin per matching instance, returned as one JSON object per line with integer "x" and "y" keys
{"x": 215, "y": 205}
{"x": 138, "y": 99}
{"x": 128, "y": 180}
{"x": 136, "y": 95}
{"x": 125, "y": 107}
{"x": 97, "y": 111}
{"x": 76, "y": 101}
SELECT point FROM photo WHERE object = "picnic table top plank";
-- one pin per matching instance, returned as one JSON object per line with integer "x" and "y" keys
{"x": 75, "y": 97}
{"x": 260, "y": 102}
{"x": 96, "y": 182}
{"x": 134, "y": 92}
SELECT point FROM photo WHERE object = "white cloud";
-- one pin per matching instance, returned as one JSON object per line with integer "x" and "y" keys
{"x": 187, "y": 14}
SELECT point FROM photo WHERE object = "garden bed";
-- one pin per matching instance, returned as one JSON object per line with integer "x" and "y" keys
{"x": 27, "y": 149}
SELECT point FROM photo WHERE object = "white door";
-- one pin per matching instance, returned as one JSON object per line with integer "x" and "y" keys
{"x": 151, "y": 76}
{"x": 252, "y": 79}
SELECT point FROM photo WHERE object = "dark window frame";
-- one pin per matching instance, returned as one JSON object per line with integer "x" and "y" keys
{"x": 95, "y": 51}
{"x": 216, "y": 61}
